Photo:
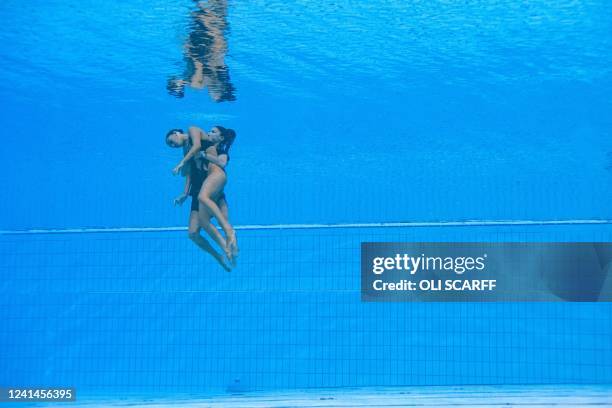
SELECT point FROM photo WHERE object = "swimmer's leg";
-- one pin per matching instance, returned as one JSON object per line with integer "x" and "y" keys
{"x": 212, "y": 188}
{"x": 212, "y": 231}
{"x": 194, "y": 235}
{"x": 222, "y": 203}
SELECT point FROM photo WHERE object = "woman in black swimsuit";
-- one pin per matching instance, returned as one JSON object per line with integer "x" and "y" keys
{"x": 206, "y": 154}
{"x": 212, "y": 189}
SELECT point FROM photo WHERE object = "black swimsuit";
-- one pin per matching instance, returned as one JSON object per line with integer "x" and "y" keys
{"x": 198, "y": 171}
{"x": 197, "y": 176}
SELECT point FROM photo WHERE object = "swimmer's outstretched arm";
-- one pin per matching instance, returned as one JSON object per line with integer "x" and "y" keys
{"x": 187, "y": 184}
{"x": 195, "y": 134}
{"x": 181, "y": 198}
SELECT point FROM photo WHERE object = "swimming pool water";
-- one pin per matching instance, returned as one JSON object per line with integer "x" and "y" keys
{"x": 346, "y": 112}
{"x": 149, "y": 313}
{"x": 490, "y": 110}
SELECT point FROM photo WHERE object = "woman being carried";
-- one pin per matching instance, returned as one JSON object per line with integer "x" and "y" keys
{"x": 207, "y": 155}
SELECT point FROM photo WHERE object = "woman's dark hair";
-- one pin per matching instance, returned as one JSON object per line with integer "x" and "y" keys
{"x": 228, "y": 136}
{"x": 171, "y": 131}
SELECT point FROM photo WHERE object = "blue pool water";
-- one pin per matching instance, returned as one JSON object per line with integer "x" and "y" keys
{"x": 427, "y": 110}
{"x": 145, "y": 312}
{"x": 346, "y": 112}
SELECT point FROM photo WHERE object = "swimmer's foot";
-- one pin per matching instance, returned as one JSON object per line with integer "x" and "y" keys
{"x": 228, "y": 256}
{"x": 223, "y": 264}
{"x": 232, "y": 248}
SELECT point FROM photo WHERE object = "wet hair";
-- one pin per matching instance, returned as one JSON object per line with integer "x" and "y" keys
{"x": 172, "y": 131}
{"x": 228, "y": 136}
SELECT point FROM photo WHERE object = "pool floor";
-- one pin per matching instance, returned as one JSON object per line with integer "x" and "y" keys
{"x": 387, "y": 397}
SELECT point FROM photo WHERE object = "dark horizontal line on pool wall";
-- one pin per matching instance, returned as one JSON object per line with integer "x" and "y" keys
{"x": 399, "y": 224}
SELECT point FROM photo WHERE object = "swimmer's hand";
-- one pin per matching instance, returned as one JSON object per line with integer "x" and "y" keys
{"x": 210, "y": 152}
{"x": 178, "y": 168}
{"x": 179, "y": 200}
